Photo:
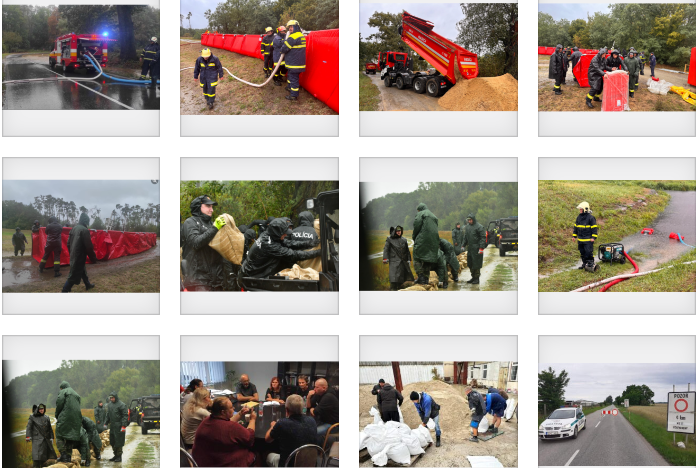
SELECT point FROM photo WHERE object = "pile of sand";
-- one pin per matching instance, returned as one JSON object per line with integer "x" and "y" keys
{"x": 482, "y": 94}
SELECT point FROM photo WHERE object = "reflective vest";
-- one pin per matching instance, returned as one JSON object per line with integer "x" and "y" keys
{"x": 210, "y": 71}
{"x": 294, "y": 49}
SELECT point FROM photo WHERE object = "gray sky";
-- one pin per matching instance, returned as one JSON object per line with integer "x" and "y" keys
{"x": 106, "y": 194}
{"x": 571, "y": 11}
{"x": 595, "y": 382}
{"x": 443, "y": 15}
{"x": 197, "y": 7}
{"x": 12, "y": 369}
{"x": 372, "y": 190}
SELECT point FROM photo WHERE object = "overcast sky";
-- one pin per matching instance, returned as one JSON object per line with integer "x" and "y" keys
{"x": 595, "y": 382}
{"x": 443, "y": 15}
{"x": 106, "y": 194}
{"x": 12, "y": 369}
{"x": 197, "y": 7}
{"x": 372, "y": 190}
{"x": 571, "y": 11}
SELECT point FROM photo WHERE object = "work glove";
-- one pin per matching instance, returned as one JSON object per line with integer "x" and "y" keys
{"x": 123, "y": 428}
{"x": 385, "y": 261}
{"x": 219, "y": 222}
{"x": 480, "y": 251}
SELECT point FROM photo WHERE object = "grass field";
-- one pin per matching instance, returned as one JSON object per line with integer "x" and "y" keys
{"x": 615, "y": 206}
{"x": 7, "y": 242}
{"x": 680, "y": 278}
{"x": 651, "y": 422}
{"x": 369, "y": 94}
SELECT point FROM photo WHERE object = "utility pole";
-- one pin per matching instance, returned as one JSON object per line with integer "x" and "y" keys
{"x": 397, "y": 376}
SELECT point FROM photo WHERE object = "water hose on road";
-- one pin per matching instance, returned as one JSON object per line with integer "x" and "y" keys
{"x": 616, "y": 281}
{"x": 280, "y": 60}
{"x": 682, "y": 241}
{"x": 55, "y": 78}
{"x": 122, "y": 80}
{"x": 630, "y": 275}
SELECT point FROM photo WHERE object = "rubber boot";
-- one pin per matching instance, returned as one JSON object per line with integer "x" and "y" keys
{"x": 630, "y": 94}
{"x": 41, "y": 267}
{"x": 477, "y": 274}
{"x": 89, "y": 286}
{"x": 558, "y": 91}
{"x": 57, "y": 274}
{"x": 97, "y": 455}
{"x": 596, "y": 99}
{"x": 64, "y": 457}
{"x": 117, "y": 459}
{"x": 444, "y": 285}
{"x": 114, "y": 458}
{"x": 588, "y": 101}
{"x": 455, "y": 279}
{"x": 87, "y": 463}
{"x": 291, "y": 98}
{"x": 437, "y": 441}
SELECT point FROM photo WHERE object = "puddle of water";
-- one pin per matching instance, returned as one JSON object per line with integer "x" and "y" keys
{"x": 498, "y": 273}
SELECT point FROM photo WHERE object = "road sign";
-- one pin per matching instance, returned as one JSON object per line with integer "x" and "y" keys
{"x": 626, "y": 403}
{"x": 615, "y": 412}
{"x": 680, "y": 412}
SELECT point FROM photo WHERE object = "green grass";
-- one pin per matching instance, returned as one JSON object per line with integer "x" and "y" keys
{"x": 680, "y": 278}
{"x": 607, "y": 199}
{"x": 369, "y": 94}
{"x": 144, "y": 453}
{"x": 661, "y": 440}
{"x": 7, "y": 241}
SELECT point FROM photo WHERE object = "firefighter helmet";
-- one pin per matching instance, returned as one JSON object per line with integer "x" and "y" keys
{"x": 269, "y": 29}
{"x": 584, "y": 206}
{"x": 205, "y": 53}
{"x": 281, "y": 28}
{"x": 154, "y": 39}
{"x": 292, "y": 23}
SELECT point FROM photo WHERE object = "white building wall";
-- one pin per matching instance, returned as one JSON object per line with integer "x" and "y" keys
{"x": 409, "y": 373}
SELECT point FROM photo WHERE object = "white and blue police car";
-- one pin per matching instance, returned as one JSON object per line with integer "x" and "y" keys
{"x": 563, "y": 423}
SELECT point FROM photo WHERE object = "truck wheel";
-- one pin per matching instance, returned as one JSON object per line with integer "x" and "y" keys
{"x": 501, "y": 251}
{"x": 432, "y": 87}
{"x": 387, "y": 82}
{"x": 52, "y": 64}
{"x": 400, "y": 84}
{"x": 144, "y": 427}
{"x": 419, "y": 86}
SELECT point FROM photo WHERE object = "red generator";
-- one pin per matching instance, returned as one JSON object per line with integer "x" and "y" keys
{"x": 69, "y": 51}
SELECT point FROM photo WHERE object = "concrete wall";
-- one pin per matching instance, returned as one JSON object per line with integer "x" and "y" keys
{"x": 410, "y": 373}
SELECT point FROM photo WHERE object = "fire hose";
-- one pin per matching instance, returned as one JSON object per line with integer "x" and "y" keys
{"x": 616, "y": 281}
{"x": 122, "y": 80}
{"x": 626, "y": 276}
{"x": 682, "y": 241}
{"x": 280, "y": 60}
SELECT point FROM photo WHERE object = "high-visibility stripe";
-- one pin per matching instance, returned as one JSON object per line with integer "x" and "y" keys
{"x": 56, "y": 263}
{"x": 210, "y": 95}
{"x": 201, "y": 85}
{"x": 590, "y": 97}
{"x": 556, "y": 86}
{"x": 593, "y": 226}
{"x": 584, "y": 240}
{"x": 575, "y": 235}
{"x": 214, "y": 84}
{"x": 43, "y": 261}
{"x": 211, "y": 64}
{"x": 146, "y": 58}
{"x": 150, "y": 52}
{"x": 295, "y": 66}
{"x": 594, "y": 235}
{"x": 294, "y": 89}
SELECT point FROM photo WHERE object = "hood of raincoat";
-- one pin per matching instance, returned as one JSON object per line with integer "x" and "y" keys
{"x": 249, "y": 236}
{"x": 64, "y": 384}
{"x": 277, "y": 228}
{"x": 288, "y": 221}
{"x": 472, "y": 217}
{"x": 306, "y": 219}
{"x": 115, "y": 395}
{"x": 196, "y": 206}
{"x": 52, "y": 219}
{"x": 36, "y": 410}
{"x": 84, "y": 220}
{"x": 391, "y": 231}
{"x": 397, "y": 228}
{"x": 421, "y": 207}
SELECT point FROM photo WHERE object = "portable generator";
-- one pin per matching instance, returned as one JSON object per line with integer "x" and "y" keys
{"x": 613, "y": 252}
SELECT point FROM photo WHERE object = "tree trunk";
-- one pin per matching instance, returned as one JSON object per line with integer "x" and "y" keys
{"x": 127, "y": 35}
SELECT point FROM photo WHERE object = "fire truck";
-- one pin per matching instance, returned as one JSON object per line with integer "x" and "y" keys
{"x": 69, "y": 51}
{"x": 448, "y": 60}
{"x": 370, "y": 67}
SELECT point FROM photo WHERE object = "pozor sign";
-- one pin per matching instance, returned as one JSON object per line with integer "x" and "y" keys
{"x": 680, "y": 412}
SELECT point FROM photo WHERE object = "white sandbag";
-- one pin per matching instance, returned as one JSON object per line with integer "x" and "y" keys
{"x": 375, "y": 412}
{"x": 420, "y": 436}
{"x": 363, "y": 439}
{"x": 375, "y": 430}
{"x": 426, "y": 434}
{"x": 413, "y": 444}
{"x": 510, "y": 409}
{"x": 401, "y": 415}
{"x": 430, "y": 424}
{"x": 483, "y": 425}
{"x": 400, "y": 454}
{"x": 380, "y": 458}
{"x": 375, "y": 446}
{"x": 404, "y": 430}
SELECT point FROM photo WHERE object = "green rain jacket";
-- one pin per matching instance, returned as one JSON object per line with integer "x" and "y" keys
{"x": 425, "y": 236}
{"x": 450, "y": 257}
{"x": 474, "y": 239}
{"x": 80, "y": 247}
{"x": 116, "y": 418}
{"x": 92, "y": 433}
{"x": 68, "y": 414}
{"x": 100, "y": 417}
{"x": 457, "y": 239}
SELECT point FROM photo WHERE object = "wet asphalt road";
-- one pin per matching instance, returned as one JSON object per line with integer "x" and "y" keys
{"x": 607, "y": 441}
{"x": 69, "y": 95}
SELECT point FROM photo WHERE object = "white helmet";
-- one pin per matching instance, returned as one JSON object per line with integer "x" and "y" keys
{"x": 154, "y": 39}
{"x": 584, "y": 206}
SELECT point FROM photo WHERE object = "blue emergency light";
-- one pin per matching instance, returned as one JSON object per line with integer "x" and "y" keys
{"x": 105, "y": 34}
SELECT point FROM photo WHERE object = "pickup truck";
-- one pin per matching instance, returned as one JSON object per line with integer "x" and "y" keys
{"x": 145, "y": 411}
{"x": 503, "y": 234}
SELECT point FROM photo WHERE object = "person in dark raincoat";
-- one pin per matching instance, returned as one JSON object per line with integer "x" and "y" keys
{"x": 457, "y": 238}
{"x": 268, "y": 256}
{"x": 397, "y": 255}
{"x": 574, "y": 59}
{"x": 92, "y": 437}
{"x": 426, "y": 243}
{"x": 100, "y": 416}
{"x": 474, "y": 242}
{"x": 653, "y": 63}
{"x": 40, "y": 434}
{"x": 209, "y": 69}
{"x": 262, "y": 224}
{"x": 585, "y": 232}
{"x": 249, "y": 239}
{"x": 450, "y": 259}
{"x": 556, "y": 68}
{"x": 633, "y": 68}
{"x": 205, "y": 268}
{"x": 54, "y": 245}
{"x": 642, "y": 59}
{"x": 305, "y": 232}
{"x": 441, "y": 270}
{"x": 595, "y": 77}
{"x": 615, "y": 62}
{"x": 36, "y": 227}
{"x": 68, "y": 421}
{"x": 116, "y": 422}
{"x": 280, "y": 76}
{"x": 80, "y": 247}
{"x": 18, "y": 241}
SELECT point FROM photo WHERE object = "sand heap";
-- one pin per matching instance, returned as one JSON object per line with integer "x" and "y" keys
{"x": 482, "y": 94}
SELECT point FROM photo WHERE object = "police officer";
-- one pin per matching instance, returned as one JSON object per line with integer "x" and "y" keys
{"x": 278, "y": 40}
{"x": 54, "y": 245}
{"x": 585, "y": 232}
{"x": 150, "y": 60}
{"x": 18, "y": 241}
{"x": 209, "y": 68}
{"x": 294, "y": 50}
{"x": 556, "y": 69}
{"x": 595, "y": 77}
{"x": 267, "y": 51}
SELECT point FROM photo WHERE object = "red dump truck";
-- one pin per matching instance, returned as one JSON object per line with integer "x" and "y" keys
{"x": 370, "y": 67}
{"x": 443, "y": 55}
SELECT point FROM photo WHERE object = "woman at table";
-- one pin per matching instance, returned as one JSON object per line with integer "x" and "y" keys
{"x": 275, "y": 392}
{"x": 195, "y": 410}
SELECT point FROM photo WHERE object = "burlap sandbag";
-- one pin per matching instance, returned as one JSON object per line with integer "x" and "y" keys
{"x": 313, "y": 263}
{"x": 296, "y": 272}
{"x": 229, "y": 241}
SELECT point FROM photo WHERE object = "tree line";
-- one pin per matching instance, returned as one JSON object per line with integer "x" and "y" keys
{"x": 487, "y": 29}
{"x": 451, "y": 202}
{"x": 126, "y": 217}
{"x": 28, "y": 27}
{"x": 666, "y": 29}
{"x": 92, "y": 380}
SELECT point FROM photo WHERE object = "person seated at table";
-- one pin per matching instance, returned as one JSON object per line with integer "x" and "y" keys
{"x": 275, "y": 392}
{"x": 221, "y": 441}
{"x": 291, "y": 432}
{"x": 246, "y": 391}
{"x": 192, "y": 386}
{"x": 324, "y": 406}
{"x": 195, "y": 410}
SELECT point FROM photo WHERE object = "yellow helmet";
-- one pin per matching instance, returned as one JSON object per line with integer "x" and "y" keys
{"x": 292, "y": 23}
{"x": 584, "y": 206}
{"x": 205, "y": 53}
{"x": 269, "y": 29}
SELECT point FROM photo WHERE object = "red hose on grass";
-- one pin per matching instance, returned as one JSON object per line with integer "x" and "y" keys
{"x": 605, "y": 288}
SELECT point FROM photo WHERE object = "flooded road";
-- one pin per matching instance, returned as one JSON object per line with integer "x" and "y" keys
{"x": 101, "y": 93}
{"x": 498, "y": 273}
{"x": 140, "y": 451}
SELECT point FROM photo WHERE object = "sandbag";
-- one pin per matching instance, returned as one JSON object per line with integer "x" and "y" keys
{"x": 313, "y": 263}
{"x": 401, "y": 415}
{"x": 399, "y": 453}
{"x": 423, "y": 431}
{"x": 363, "y": 440}
{"x": 380, "y": 458}
{"x": 510, "y": 409}
{"x": 483, "y": 425}
{"x": 375, "y": 430}
{"x": 377, "y": 417}
{"x": 430, "y": 424}
{"x": 412, "y": 442}
{"x": 374, "y": 446}
{"x": 229, "y": 241}
{"x": 300, "y": 273}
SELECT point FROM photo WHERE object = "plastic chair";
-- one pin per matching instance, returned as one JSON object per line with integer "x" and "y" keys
{"x": 307, "y": 455}
{"x": 186, "y": 460}
{"x": 330, "y": 437}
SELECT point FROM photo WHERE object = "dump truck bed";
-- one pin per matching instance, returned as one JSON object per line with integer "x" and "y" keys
{"x": 438, "y": 51}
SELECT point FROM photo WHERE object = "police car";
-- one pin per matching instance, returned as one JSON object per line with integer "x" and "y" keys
{"x": 563, "y": 423}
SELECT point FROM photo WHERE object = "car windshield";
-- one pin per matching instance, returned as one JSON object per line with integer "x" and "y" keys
{"x": 563, "y": 414}
{"x": 509, "y": 224}
{"x": 151, "y": 403}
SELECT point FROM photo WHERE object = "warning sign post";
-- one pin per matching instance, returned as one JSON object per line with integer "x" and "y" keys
{"x": 680, "y": 412}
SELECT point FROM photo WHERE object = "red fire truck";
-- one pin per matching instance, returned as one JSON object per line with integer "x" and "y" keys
{"x": 69, "y": 51}
{"x": 370, "y": 67}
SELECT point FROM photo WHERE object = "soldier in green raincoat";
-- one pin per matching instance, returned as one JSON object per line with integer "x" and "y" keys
{"x": 457, "y": 239}
{"x": 100, "y": 416}
{"x": 475, "y": 243}
{"x": 441, "y": 270}
{"x": 91, "y": 437}
{"x": 426, "y": 243}
{"x": 450, "y": 259}
{"x": 68, "y": 421}
{"x": 116, "y": 422}
{"x": 80, "y": 247}
{"x": 633, "y": 68}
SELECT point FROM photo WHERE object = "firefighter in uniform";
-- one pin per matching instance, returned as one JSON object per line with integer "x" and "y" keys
{"x": 210, "y": 70}
{"x": 294, "y": 50}
{"x": 585, "y": 233}
{"x": 150, "y": 61}
{"x": 278, "y": 40}
{"x": 267, "y": 51}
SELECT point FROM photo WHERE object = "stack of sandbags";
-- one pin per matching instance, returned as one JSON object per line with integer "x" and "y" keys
{"x": 300, "y": 273}
{"x": 229, "y": 241}
{"x": 313, "y": 263}
{"x": 59, "y": 465}
{"x": 462, "y": 261}
{"x": 104, "y": 436}
{"x": 393, "y": 441}
{"x": 75, "y": 457}
{"x": 431, "y": 286}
